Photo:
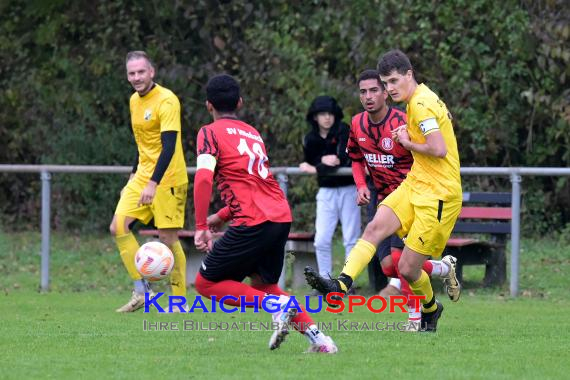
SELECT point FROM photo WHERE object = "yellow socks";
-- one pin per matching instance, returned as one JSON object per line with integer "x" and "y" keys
{"x": 423, "y": 287}
{"x": 128, "y": 246}
{"x": 359, "y": 257}
{"x": 357, "y": 260}
{"x": 178, "y": 275}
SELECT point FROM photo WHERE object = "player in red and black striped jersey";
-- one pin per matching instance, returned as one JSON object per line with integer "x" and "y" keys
{"x": 233, "y": 153}
{"x": 370, "y": 145}
{"x": 371, "y": 149}
{"x": 250, "y": 192}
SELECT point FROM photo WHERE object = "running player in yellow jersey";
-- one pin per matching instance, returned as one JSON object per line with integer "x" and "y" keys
{"x": 425, "y": 206}
{"x": 158, "y": 184}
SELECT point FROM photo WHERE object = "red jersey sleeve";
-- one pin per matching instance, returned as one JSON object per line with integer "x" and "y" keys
{"x": 225, "y": 214}
{"x": 203, "y": 180}
{"x": 359, "y": 174}
{"x": 207, "y": 143}
{"x": 352, "y": 147}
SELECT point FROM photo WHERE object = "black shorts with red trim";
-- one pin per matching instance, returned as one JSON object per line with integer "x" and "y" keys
{"x": 248, "y": 250}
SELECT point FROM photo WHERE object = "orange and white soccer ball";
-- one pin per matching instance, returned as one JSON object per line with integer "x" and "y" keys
{"x": 154, "y": 261}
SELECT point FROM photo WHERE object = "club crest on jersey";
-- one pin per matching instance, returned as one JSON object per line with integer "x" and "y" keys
{"x": 387, "y": 143}
{"x": 147, "y": 115}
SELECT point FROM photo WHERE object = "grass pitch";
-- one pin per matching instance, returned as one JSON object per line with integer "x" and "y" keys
{"x": 73, "y": 331}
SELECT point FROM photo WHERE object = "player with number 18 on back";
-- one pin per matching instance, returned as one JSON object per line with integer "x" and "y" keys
{"x": 233, "y": 153}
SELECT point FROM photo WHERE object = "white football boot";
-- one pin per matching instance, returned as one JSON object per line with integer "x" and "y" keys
{"x": 450, "y": 282}
{"x": 281, "y": 319}
{"x": 325, "y": 346}
{"x": 136, "y": 302}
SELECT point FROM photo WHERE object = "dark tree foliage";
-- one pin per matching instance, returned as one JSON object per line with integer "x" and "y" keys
{"x": 502, "y": 68}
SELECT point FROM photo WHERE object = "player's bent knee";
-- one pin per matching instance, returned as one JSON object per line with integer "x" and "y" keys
{"x": 119, "y": 226}
{"x": 387, "y": 261}
{"x": 375, "y": 232}
{"x": 375, "y": 226}
{"x": 389, "y": 270}
{"x": 408, "y": 271}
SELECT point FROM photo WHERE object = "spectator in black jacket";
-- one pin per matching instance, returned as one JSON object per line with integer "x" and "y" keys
{"x": 324, "y": 150}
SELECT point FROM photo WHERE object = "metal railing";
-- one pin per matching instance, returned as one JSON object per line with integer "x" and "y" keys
{"x": 514, "y": 173}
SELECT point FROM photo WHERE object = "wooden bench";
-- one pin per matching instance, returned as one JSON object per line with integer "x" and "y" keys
{"x": 299, "y": 244}
{"x": 483, "y": 214}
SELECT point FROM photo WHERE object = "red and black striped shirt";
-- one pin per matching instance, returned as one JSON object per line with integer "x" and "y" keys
{"x": 371, "y": 144}
{"x": 245, "y": 183}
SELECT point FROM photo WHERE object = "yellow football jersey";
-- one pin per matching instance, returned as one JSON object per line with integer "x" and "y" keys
{"x": 433, "y": 175}
{"x": 151, "y": 114}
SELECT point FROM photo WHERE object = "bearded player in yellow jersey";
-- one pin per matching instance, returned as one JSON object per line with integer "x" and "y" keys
{"x": 158, "y": 184}
{"x": 425, "y": 206}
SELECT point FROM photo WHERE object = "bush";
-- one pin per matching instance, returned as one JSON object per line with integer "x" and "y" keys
{"x": 502, "y": 68}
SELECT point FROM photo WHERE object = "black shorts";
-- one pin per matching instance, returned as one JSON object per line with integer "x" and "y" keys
{"x": 385, "y": 246}
{"x": 244, "y": 251}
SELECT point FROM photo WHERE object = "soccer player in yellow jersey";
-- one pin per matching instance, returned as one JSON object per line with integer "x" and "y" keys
{"x": 425, "y": 206}
{"x": 158, "y": 184}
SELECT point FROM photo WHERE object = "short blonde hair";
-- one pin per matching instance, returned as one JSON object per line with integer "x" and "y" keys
{"x": 137, "y": 54}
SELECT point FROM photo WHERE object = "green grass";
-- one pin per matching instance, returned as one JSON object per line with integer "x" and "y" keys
{"x": 73, "y": 331}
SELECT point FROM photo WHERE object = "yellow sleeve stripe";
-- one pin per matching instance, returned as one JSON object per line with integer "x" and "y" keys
{"x": 206, "y": 161}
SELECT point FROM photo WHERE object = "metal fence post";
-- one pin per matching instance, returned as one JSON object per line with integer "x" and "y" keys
{"x": 45, "y": 227}
{"x": 515, "y": 232}
{"x": 282, "y": 179}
